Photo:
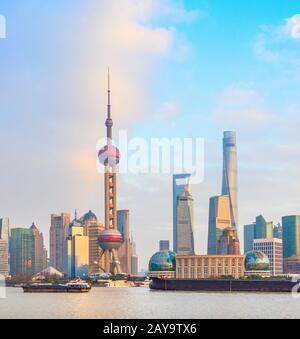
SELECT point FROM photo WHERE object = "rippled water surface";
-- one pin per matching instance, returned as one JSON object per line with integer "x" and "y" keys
{"x": 143, "y": 303}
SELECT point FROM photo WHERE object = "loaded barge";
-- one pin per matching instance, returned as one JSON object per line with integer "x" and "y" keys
{"x": 271, "y": 286}
{"x": 72, "y": 287}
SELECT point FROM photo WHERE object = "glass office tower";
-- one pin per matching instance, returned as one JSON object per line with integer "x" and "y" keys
{"x": 22, "y": 252}
{"x": 291, "y": 236}
{"x": 181, "y": 183}
{"x": 185, "y": 224}
{"x": 249, "y": 236}
{"x": 263, "y": 228}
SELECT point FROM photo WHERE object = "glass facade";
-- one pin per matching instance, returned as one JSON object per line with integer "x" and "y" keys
{"x": 162, "y": 261}
{"x": 263, "y": 229}
{"x": 123, "y": 224}
{"x": 291, "y": 236}
{"x": 249, "y": 236}
{"x": 185, "y": 224}
{"x": 22, "y": 252}
{"x": 180, "y": 185}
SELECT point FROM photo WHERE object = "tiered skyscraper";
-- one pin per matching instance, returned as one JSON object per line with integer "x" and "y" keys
{"x": 219, "y": 220}
{"x": 223, "y": 210}
{"x": 110, "y": 240}
{"x": 230, "y": 185}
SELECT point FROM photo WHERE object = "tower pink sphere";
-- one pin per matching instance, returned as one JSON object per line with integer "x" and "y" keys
{"x": 109, "y": 155}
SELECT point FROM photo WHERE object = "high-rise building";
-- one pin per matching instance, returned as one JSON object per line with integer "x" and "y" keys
{"x": 93, "y": 229}
{"x": 230, "y": 180}
{"x": 260, "y": 229}
{"x": 272, "y": 248}
{"x": 22, "y": 252}
{"x": 229, "y": 243}
{"x": 45, "y": 258}
{"x": 4, "y": 229}
{"x": 263, "y": 229}
{"x": 164, "y": 245}
{"x": 4, "y": 247}
{"x": 110, "y": 240}
{"x": 249, "y": 236}
{"x": 76, "y": 252}
{"x": 4, "y": 265}
{"x": 125, "y": 251}
{"x": 181, "y": 183}
{"x": 185, "y": 224}
{"x": 291, "y": 236}
{"x": 219, "y": 220}
{"x": 39, "y": 249}
{"x": 58, "y": 235}
{"x": 277, "y": 231}
{"x": 123, "y": 223}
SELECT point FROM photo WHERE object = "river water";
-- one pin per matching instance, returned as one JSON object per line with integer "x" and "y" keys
{"x": 135, "y": 303}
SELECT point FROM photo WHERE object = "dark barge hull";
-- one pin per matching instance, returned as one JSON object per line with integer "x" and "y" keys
{"x": 28, "y": 289}
{"x": 270, "y": 286}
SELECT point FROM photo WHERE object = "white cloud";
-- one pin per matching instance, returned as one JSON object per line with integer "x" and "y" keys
{"x": 169, "y": 111}
{"x": 242, "y": 105}
{"x": 280, "y": 43}
{"x": 292, "y": 27}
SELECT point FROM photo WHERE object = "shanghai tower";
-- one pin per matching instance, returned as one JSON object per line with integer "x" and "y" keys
{"x": 230, "y": 181}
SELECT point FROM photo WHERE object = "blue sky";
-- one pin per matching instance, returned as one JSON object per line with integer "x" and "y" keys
{"x": 179, "y": 69}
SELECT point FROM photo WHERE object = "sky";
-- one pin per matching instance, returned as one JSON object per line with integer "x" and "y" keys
{"x": 192, "y": 68}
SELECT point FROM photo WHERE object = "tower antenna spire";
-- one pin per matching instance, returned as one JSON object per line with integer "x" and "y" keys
{"x": 109, "y": 122}
{"x": 108, "y": 93}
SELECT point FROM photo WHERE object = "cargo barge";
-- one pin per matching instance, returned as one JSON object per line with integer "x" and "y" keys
{"x": 72, "y": 287}
{"x": 266, "y": 286}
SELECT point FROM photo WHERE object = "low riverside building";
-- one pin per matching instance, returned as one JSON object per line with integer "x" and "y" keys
{"x": 273, "y": 249}
{"x": 210, "y": 266}
{"x": 292, "y": 265}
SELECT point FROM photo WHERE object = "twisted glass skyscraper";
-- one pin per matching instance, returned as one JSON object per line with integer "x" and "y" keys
{"x": 230, "y": 186}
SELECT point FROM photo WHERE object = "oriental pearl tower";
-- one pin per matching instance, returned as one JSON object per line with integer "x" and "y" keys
{"x": 110, "y": 240}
